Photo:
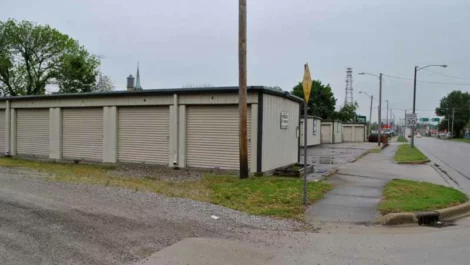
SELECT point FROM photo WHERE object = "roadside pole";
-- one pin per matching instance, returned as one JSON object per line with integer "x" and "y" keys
{"x": 380, "y": 110}
{"x": 453, "y": 118}
{"x": 242, "y": 91}
{"x": 307, "y": 86}
{"x": 414, "y": 109}
{"x": 370, "y": 114}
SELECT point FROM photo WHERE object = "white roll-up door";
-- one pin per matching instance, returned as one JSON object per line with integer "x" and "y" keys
{"x": 32, "y": 132}
{"x": 212, "y": 137}
{"x": 143, "y": 134}
{"x": 82, "y": 134}
{"x": 326, "y": 133}
{"x": 2, "y": 132}
{"x": 359, "y": 134}
{"x": 348, "y": 133}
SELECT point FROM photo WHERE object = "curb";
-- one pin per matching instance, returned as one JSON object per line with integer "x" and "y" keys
{"x": 446, "y": 214}
{"x": 419, "y": 162}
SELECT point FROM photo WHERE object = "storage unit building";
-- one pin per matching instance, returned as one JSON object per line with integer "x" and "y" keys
{"x": 354, "y": 132}
{"x": 175, "y": 127}
{"x": 331, "y": 132}
{"x": 313, "y": 131}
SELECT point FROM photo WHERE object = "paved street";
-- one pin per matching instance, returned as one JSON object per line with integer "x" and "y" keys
{"x": 453, "y": 159}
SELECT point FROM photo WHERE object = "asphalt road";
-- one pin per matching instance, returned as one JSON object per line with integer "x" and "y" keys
{"x": 451, "y": 158}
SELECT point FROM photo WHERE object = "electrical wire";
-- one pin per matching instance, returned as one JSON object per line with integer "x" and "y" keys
{"x": 428, "y": 82}
{"x": 451, "y": 76}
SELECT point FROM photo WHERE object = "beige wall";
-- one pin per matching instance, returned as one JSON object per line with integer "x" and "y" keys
{"x": 338, "y": 132}
{"x": 312, "y": 139}
{"x": 357, "y": 132}
{"x": 280, "y": 146}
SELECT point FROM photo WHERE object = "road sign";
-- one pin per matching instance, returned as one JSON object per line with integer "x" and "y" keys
{"x": 424, "y": 119}
{"x": 411, "y": 120}
{"x": 361, "y": 118}
{"x": 307, "y": 83}
{"x": 436, "y": 119}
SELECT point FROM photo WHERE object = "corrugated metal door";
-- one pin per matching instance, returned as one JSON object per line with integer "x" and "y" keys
{"x": 2, "y": 132}
{"x": 348, "y": 133}
{"x": 359, "y": 134}
{"x": 143, "y": 134}
{"x": 326, "y": 133}
{"x": 212, "y": 137}
{"x": 32, "y": 132}
{"x": 82, "y": 134}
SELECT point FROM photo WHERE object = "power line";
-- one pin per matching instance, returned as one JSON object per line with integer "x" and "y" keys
{"x": 451, "y": 76}
{"x": 429, "y": 82}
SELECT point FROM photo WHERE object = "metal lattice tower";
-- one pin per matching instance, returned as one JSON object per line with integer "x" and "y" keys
{"x": 349, "y": 99}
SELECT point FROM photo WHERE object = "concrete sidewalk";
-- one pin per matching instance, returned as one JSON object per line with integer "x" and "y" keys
{"x": 358, "y": 187}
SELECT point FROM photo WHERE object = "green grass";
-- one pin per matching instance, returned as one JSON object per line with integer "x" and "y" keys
{"x": 407, "y": 154}
{"x": 411, "y": 196}
{"x": 461, "y": 140}
{"x": 402, "y": 139}
{"x": 269, "y": 196}
{"x": 376, "y": 150}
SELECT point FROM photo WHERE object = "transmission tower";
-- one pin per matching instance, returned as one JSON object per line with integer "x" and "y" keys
{"x": 348, "y": 99}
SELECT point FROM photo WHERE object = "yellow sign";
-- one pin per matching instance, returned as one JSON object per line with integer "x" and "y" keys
{"x": 307, "y": 83}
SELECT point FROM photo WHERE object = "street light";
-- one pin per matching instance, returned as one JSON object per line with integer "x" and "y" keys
{"x": 380, "y": 103}
{"x": 387, "y": 115}
{"x": 370, "y": 113}
{"x": 417, "y": 68}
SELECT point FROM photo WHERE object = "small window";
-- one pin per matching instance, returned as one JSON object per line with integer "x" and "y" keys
{"x": 284, "y": 120}
{"x": 314, "y": 127}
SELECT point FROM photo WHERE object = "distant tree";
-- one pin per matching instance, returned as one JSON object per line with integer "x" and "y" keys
{"x": 347, "y": 113}
{"x": 322, "y": 102}
{"x": 33, "y": 56}
{"x": 104, "y": 83}
{"x": 460, "y": 102}
{"x": 374, "y": 126}
{"x": 277, "y": 88}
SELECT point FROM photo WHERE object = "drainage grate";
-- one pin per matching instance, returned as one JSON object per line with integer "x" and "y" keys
{"x": 428, "y": 218}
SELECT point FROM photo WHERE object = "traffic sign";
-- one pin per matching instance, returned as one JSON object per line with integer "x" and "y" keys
{"x": 411, "y": 120}
{"x": 307, "y": 83}
{"x": 436, "y": 119}
{"x": 361, "y": 118}
{"x": 424, "y": 119}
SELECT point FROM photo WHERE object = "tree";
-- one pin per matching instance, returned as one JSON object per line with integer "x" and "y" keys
{"x": 347, "y": 113}
{"x": 33, "y": 56}
{"x": 459, "y": 103}
{"x": 104, "y": 84}
{"x": 322, "y": 101}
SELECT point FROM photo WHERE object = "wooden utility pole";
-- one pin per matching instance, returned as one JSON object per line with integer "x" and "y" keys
{"x": 242, "y": 89}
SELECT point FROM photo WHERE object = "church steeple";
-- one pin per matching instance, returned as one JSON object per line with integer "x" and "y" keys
{"x": 137, "y": 79}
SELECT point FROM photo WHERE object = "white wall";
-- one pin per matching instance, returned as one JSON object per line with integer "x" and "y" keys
{"x": 280, "y": 146}
{"x": 338, "y": 132}
{"x": 313, "y": 138}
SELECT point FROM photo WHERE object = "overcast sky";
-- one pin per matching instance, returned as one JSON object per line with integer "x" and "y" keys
{"x": 182, "y": 42}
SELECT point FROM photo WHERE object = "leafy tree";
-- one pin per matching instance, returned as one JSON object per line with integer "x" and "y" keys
{"x": 33, "y": 56}
{"x": 104, "y": 83}
{"x": 347, "y": 113}
{"x": 322, "y": 102}
{"x": 460, "y": 102}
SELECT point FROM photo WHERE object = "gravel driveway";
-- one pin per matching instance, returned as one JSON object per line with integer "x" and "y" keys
{"x": 43, "y": 222}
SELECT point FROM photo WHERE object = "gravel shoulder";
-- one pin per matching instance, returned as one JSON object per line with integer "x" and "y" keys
{"x": 44, "y": 222}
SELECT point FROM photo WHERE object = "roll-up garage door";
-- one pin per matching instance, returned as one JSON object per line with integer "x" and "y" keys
{"x": 143, "y": 134}
{"x": 359, "y": 133}
{"x": 2, "y": 132}
{"x": 212, "y": 137}
{"x": 348, "y": 133}
{"x": 326, "y": 134}
{"x": 82, "y": 134}
{"x": 32, "y": 132}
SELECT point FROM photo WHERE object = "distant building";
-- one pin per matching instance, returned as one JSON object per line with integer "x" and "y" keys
{"x": 130, "y": 82}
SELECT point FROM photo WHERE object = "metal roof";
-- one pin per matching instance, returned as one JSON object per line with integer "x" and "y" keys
{"x": 163, "y": 91}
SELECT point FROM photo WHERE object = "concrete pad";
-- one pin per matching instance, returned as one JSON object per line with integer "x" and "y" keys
{"x": 371, "y": 192}
{"x": 210, "y": 251}
{"x": 350, "y": 201}
{"x": 341, "y": 213}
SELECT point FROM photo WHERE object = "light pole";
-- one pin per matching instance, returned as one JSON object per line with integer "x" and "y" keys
{"x": 417, "y": 68}
{"x": 387, "y": 115}
{"x": 380, "y": 103}
{"x": 370, "y": 113}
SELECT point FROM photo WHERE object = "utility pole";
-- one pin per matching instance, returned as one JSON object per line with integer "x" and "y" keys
{"x": 404, "y": 125}
{"x": 242, "y": 90}
{"x": 387, "y": 114}
{"x": 453, "y": 118}
{"x": 380, "y": 110}
{"x": 370, "y": 113}
{"x": 414, "y": 108}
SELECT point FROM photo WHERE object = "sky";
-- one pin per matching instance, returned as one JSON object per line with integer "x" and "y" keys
{"x": 187, "y": 42}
